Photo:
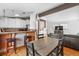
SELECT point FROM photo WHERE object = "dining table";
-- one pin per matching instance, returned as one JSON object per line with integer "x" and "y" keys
{"x": 45, "y": 46}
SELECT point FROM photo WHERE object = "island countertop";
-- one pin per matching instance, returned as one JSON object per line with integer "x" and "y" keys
{"x": 16, "y": 32}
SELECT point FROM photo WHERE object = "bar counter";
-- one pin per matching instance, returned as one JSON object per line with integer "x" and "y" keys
{"x": 5, "y": 35}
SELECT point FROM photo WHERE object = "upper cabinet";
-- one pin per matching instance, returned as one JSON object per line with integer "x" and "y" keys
{"x": 14, "y": 13}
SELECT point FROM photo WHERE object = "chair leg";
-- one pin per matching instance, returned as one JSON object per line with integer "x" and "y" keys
{"x": 33, "y": 49}
{"x": 7, "y": 52}
{"x": 57, "y": 52}
{"x": 62, "y": 53}
{"x": 15, "y": 47}
{"x": 27, "y": 54}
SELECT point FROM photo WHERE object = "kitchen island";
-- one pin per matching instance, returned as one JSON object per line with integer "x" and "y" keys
{"x": 19, "y": 35}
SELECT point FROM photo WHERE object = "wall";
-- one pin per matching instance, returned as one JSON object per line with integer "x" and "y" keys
{"x": 33, "y": 21}
{"x": 69, "y": 16}
{"x": 73, "y": 27}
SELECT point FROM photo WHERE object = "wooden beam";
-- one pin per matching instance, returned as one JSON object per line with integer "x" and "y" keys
{"x": 58, "y": 8}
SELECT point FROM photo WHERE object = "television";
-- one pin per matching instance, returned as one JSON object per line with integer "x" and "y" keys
{"x": 58, "y": 27}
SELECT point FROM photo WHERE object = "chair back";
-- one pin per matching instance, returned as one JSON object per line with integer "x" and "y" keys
{"x": 60, "y": 47}
{"x": 29, "y": 47}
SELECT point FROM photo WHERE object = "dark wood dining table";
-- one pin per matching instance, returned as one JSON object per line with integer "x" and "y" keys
{"x": 45, "y": 46}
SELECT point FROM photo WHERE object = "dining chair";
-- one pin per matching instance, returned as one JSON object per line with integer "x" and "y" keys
{"x": 58, "y": 51}
{"x": 30, "y": 48}
{"x": 60, "y": 48}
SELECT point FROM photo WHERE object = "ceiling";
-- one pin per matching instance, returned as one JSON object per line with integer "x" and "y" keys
{"x": 67, "y": 15}
{"x": 25, "y": 9}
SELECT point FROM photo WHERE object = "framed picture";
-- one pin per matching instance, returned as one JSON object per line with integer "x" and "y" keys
{"x": 42, "y": 24}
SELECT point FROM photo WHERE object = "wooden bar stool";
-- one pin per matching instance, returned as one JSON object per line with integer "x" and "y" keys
{"x": 11, "y": 44}
{"x": 29, "y": 38}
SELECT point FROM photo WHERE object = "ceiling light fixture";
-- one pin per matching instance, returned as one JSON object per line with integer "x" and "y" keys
{"x": 17, "y": 15}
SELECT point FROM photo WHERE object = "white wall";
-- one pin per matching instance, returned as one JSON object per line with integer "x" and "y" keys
{"x": 69, "y": 16}
{"x": 33, "y": 21}
{"x": 51, "y": 26}
{"x": 13, "y": 23}
{"x": 73, "y": 27}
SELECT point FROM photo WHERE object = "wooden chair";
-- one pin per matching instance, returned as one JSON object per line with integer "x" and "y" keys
{"x": 60, "y": 48}
{"x": 29, "y": 48}
{"x": 11, "y": 44}
{"x": 58, "y": 51}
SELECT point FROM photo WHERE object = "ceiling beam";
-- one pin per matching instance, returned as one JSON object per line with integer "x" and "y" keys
{"x": 58, "y": 8}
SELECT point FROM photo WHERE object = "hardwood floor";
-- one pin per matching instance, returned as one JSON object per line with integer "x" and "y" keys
{"x": 21, "y": 52}
{"x": 70, "y": 52}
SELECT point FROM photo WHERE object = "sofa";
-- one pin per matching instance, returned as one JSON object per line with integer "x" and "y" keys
{"x": 70, "y": 41}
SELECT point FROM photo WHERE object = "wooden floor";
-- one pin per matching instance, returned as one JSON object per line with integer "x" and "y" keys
{"x": 70, "y": 52}
{"x": 21, "y": 52}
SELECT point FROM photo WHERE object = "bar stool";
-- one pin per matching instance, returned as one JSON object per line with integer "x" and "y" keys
{"x": 30, "y": 38}
{"x": 11, "y": 44}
